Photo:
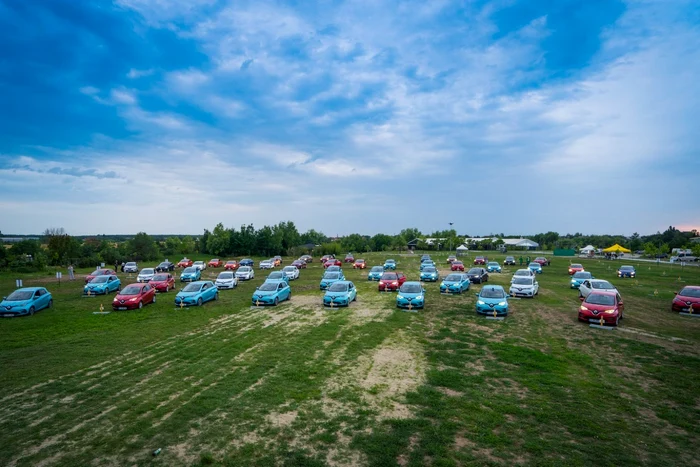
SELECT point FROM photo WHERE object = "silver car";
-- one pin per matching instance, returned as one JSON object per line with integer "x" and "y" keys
{"x": 245, "y": 273}
{"x": 267, "y": 264}
{"x": 226, "y": 280}
{"x": 589, "y": 285}
{"x": 131, "y": 267}
{"x": 145, "y": 275}
{"x": 523, "y": 286}
{"x": 201, "y": 265}
{"x": 522, "y": 273}
{"x": 291, "y": 272}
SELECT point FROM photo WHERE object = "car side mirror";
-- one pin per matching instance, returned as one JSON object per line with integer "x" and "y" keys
{"x": 257, "y": 288}
{"x": 4, "y": 298}
{"x": 476, "y": 294}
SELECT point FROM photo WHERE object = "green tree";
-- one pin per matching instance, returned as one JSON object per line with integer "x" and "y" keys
{"x": 142, "y": 247}
{"x": 380, "y": 242}
{"x": 311, "y": 236}
{"x": 410, "y": 234}
{"x": 219, "y": 240}
{"x": 186, "y": 245}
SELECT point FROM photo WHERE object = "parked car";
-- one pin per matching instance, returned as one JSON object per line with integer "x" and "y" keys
{"x": 542, "y": 260}
{"x": 134, "y": 296}
{"x": 306, "y": 258}
{"x": 246, "y": 262}
{"x": 578, "y": 278}
{"x": 478, "y": 275}
{"x": 481, "y": 260}
{"x": 25, "y": 301}
{"x": 451, "y": 258}
{"x": 493, "y": 266}
{"x": 102, "y": 285}
{"x": 131, "y": 267}
{"x": 492, "y": 300}
{"x": 391, "y": 281}
{"x": 332, "y": 262}
{"x": 340, "y": 293}
{"x": 457, "y": 266}
{"x": 349, "y": 258}
{"x": 266, "y": 264}
{"x": 231, "y": 265}
{"x": 522, "y": 273}
{"x": 411, "y": 295}
{"x": 197, "y": 293}
{"x": 292, "y": 272}
{"x": 509, "y": 261}
{"x": 390, "y": 264}
{"x": 271, "y": 293}
{"x": 99, "y": 272}
{"x": 424, "y": 258}
{"x": 277, "y": 276}
{"x": 688, "y": 298}
{"x": 375, "y": 273}
{"x": 165, "y": 266}
{"x": 215, "y": 263}
{"x": 455, "y": 283}
{"x": 146, "y": 275}
{"x": 535, "y": 267}
{"x": 184, "y": 263}
{"x": 427, "y": 264}
{"x": 430, "y": 274}
{"x": 278, "y": 260}
{"x": 162, "y": 282}
{"x": 574, "y": 268}
{"x": 299, "y": 264}
{"x": 334, "y": 268}
{"x": 626, "y": 271}
{"x": 522, "y": 286}
{"x": 191, "y": 274}
{"x": 245, "y": 273}
{"x": 594, "y": 285}
{"x": 359, "y": 264}
{"x": 325, "y": 258}
{"x": 201, "y": 265}
{"x": 602, "y": 308}
{"x": 329, "y": 278}
{"x": 226, "y": 280}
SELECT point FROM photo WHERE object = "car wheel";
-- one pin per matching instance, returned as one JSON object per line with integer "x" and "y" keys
{"x": 140, "y": 305}
{"x": 289, "y": 297}
{"x": 354, "y": 299}
{"x": 50, "y": 304}
{"x": 199, "y": 301}
{"x": 277, "y": 301}
{"x": 31, "y": 311}
{"x": 216, "y": 297}
{"x": 617, "y": 320}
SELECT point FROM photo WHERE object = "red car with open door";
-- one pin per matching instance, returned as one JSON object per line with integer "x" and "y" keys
{"x": 602, "y": 308}
{"x": 162, "y": 282}
{"x": 134, "y": 297}
{"x": 391, "y": 281}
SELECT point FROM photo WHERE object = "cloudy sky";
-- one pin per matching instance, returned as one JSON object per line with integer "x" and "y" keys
{"x": 513, "y": 116}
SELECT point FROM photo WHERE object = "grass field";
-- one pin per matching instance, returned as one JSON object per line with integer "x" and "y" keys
{"x": 298, "y": 384}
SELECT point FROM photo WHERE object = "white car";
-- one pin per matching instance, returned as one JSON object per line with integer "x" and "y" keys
{"x": 291, "y": 272}
{"x": 245, "y": 273}
{"x": 145, "y": 275}
{"x": 522, "y": 273}
{"x": 201, "y": 265}
{"x": 267, "y": 264}
{"x": 523, "y": 286}
{"x": 131, "y": 267}
{"x": 589, "y": 285}
{"x": 226, "y": 280}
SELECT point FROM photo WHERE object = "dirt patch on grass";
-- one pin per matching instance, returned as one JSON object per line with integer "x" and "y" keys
{"x": 450, "y": 392}
{"x": 281, "y": 420}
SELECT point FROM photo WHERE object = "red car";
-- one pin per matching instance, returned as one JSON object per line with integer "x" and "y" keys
{"x": 574, "y": 268}
{"x": 359, "y": 264}
{"x": 605, "y": 306}
{"x": 332, "y": 262}
{"x": 184, "y": 263}
{"x": 134, "y": 296}
{"x": 686, "y": 299}
{"x": 215, "y": 263}
{"x": 299, "y": 264}
{"x": 391, "y": 281}
{"x": 231, "y": 265}
{"x": 481, "y": 260}
{"x": 99, "y": 272}
{"x": 325, "y": 258}
{"x": 457, "y": 266}
{"x": 541, "y": 260}
{"x": 349, "y": 258}
{"x": 162, "y": 282}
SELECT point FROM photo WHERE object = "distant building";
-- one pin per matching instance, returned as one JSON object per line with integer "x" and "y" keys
{"x": 508, "y": 242}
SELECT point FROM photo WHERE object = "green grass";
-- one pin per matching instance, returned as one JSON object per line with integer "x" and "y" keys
{"x": 231, "y": 384}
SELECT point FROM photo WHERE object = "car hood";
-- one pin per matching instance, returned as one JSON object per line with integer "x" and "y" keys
{"x": 159, "y": 282}
{"x": 225, "y": 279}
{"x": 336, "y": 294}
{"x": 522, "y": 286}
{"x": 263, "y": 293}
{"x": 598, "y": 308}
{"x": 126, "y": 297}
{"x": 411, "y": 295}
{"x": 685, "y": 298}
{"x": 96, "y": 286}
{"x": 188, "y": 294}
{"x": 189, "y": 274}
{"x": 494, "y": 301}
{"x": 426, "y": 273}
{"x": 449, "y": 282}
{"x": 6, "y": 303}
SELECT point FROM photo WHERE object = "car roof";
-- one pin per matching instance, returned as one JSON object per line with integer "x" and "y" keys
{"x": 412, "y": 282}
{"x": 29, "y": 289}
{"x": 276, "y": 281}
{"x": 493, "y": 288}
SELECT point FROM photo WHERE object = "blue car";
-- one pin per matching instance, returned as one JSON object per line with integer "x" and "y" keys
{"x": 427, "y": 264}
{"x": 375, "y": 273}
{"x": 340, "y": 293}
{"x": 411, "y": 295}
{"x": 429, "y": 274}
{"x": 196, "y": 293}
{"x": 102, "y": 285}
{"x": 25, "y": 302}
{"x": 455, "y": 283}
{"x": 390, "y": 264}
{"x": 271, "y": 293}
{"x": 191, "y": 274}
{"x": 578, "y": 278}
{"x": 247, "y": 262}
{"x": 493, "y": 266}
{"x": 330, "y": 277}
{"x": 492, "y": 300}
{"x": 277, "y": 276}
{"x": 535, "y": 267}
{"x": 626, "y": 271}
{"x": 424, "y": 257}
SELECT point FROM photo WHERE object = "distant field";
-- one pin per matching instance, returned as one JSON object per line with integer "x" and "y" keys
{"x": 298, "y": 384}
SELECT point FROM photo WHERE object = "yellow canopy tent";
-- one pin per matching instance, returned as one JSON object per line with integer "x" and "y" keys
{"x": 616, "y": 249}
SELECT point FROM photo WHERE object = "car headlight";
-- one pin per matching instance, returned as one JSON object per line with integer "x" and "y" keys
{"x": 573, "y": 281}
{"x": 481, "y": 302}
{"x": 610, "y": 311}
{"x": 400, "y": 297}
{"x": 502, "y": 303}
{"x": 583, "y": 308}
{"x": 419, "y": 297}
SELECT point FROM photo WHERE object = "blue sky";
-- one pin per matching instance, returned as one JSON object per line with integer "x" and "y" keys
{"x": 499, "y": 116}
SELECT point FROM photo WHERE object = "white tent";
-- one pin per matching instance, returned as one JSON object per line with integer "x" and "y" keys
{"x": 587, "y": 249}
{"x": 462, "y": 248}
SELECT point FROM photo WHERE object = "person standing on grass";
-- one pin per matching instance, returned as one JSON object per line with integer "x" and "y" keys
{"x": 521, "y": 260}
{"x": 528, "y": 260}
{"x": 116, "y": 265}
{"x": 71, "y": 276}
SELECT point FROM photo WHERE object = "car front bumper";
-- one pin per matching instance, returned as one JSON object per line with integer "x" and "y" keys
{"x": 429, "y": 278}
{"x": 14, "y": 312}
{"x": 225, "y": 285}
{"x": 522, "y": 293}
{"x": 589, "y": 317}
{"x": 488, "y": 310}
{"x": 388, "y": 287}
{"x": 450, "y": 289}
{"x": 262, "y": 301}
{"x": 95, "y": 291}
{"x": 404, "y": 303}
{"x": 336, "y": 301}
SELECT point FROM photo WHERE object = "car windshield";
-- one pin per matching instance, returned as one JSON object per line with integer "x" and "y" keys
{"x": 192, "y": 287}
{"x": 522, "y": 272}
{"x": 475, "y": 271}
{"x": 602, "y": 285}
{"x": 534, "y": 265}
{"x": 430, "y": 269}
{"x": 331, "y": 275}
{"x": 411, "y": 288}
{"x": 189, "y": 270}
{"x": 20, "y": 295}
{"x": 275, "y": 275}
{"x": 160, "y": 277}
{"x": 360, "y": 261}
{"x": 627, "y": 268}
{"x": 215, "y": 260}
{"x": 244, "y": 269}
{"x": 377, "y": 269}
{"x": 226, "y": 275}
{"x": 390, "y": 261}
{"x": 389, "y": 276}
{"x": 493, "y": 263}
{"x": 480, "y": 257}
{"x": 510, "y": 258}
{"x": 690, "y": 292}
{"x": 492, "y": 293}
{"x": 457, "y": 263}
{"x": 582, "y": 275}
{"x": 199, "y": 262}
{"x": 576, "y": 266}
{"x": 147, "y": 271}
{"x": 230, "y": 262}
{"x": 453, "y": 278}
{"x": 600, "y": 299}
{"x": 266, "y": 261}
{"x": 163, "y": 265}
{"x": 268, "y": 286}
{"x": 97, "y": 272}
{"x": 289, "y": 269}
{"x": 522, "y": 281}
{"x": 338, "y": 287}
{"x": 130, "y": 264}
{"x": 99, "y": 279}
{"x": 131, "y": 290}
